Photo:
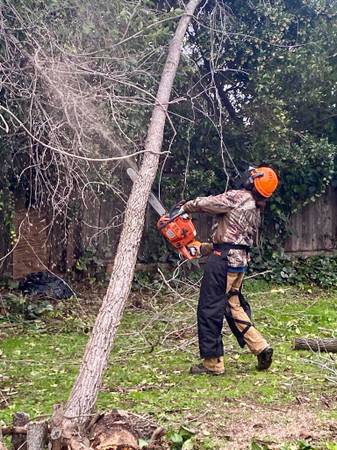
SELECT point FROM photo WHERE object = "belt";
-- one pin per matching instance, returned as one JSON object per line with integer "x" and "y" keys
{"x": 230, "y": 246}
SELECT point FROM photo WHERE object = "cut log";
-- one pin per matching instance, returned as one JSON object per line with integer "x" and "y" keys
{"x": 20, "y": 419}
{"x": 13, "y": 430}
{"x": 118, "y": 428}
{"x": 37, "y": 433}
{"x": 316, "y": 344}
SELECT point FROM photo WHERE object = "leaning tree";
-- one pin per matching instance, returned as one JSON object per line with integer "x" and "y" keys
{"x": 69, "y": 424}
{"x": 86, "y": 89}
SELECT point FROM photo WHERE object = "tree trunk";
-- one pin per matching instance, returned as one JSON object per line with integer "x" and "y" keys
{"x": 316, "y": 345}
{"x": 85, "y": 390}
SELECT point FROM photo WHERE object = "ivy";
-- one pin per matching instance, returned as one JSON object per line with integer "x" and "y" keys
{"x": 315, "y": 270}
{"x": 306, "y": 170}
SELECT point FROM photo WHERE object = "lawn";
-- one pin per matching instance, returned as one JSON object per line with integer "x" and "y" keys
{"x": 290, "y": 406}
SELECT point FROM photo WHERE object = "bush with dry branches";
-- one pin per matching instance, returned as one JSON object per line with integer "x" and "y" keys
{"x": 77, "y": 87}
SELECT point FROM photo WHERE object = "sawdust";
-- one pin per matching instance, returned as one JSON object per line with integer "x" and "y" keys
{"x": 268, "y": 425}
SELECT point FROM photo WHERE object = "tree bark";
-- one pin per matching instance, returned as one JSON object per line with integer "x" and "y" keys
{"x": 316, "y": 344}
{"x": 37, "y": 433}
{"x": 85, "y": 390}
{"x": 20, "y": 419}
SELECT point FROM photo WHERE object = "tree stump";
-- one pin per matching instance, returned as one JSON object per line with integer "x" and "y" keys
{"x": 19, "y": 441}
{"x": 37, "y": 433}
{"x": 316, "y": 344}
{"x": 112, "y": 430}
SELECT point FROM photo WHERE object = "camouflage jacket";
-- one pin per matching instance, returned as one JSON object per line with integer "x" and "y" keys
{"x": 237, "y": 220}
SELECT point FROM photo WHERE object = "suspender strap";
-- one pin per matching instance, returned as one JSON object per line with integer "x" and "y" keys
{"x": 244, "y": 322}
{"x": 233, "y": 293}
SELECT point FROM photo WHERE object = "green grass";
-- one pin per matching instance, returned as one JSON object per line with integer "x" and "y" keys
{"x": 147, "y": 375}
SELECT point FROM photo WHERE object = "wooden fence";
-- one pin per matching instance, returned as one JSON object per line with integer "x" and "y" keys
{"x": 313, "y": 230}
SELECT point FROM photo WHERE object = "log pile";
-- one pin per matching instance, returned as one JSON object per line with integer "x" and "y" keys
{"x": 114, "y": 430}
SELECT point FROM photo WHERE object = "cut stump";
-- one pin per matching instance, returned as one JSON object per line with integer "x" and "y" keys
{"x": 19, "y": 441}
{"x": 37, "y": 434}
{"x": 113, "y": 430}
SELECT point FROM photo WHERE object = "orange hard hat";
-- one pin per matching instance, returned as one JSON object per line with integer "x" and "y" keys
{"x": 265, "y": 180}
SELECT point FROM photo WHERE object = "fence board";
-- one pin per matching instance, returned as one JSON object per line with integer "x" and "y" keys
{"x": 30, "y": 253}
{"x": 313, "y": 229}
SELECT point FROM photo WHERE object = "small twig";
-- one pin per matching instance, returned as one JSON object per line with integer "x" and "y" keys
{"x": 258, "y": 274}
{"x": 156, "y": 436}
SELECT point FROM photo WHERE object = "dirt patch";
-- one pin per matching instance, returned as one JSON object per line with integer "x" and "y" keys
{"x": 267, "y": 425}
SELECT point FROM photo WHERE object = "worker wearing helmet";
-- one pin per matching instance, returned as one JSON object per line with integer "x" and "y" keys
{"x": 238, "y": 214}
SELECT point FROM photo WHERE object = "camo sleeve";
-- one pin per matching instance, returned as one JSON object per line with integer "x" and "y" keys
{"x": 214, "y": 204}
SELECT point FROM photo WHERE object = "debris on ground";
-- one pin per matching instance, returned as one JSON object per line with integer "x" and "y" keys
{"x": 44, "y": 283}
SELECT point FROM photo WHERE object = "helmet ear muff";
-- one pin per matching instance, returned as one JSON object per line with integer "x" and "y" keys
{"x": 248, "y": 182}
{"x": 255, "y": 175}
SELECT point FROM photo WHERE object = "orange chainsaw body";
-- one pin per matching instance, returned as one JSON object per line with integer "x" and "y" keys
{"x": 180, "y": 232}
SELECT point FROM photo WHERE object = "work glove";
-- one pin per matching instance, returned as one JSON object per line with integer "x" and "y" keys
{"x": 198, "y": 249}
{"x": 206, "y": 248}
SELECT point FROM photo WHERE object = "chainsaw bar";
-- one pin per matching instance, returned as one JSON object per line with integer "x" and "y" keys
{"x": 154, "y": 202}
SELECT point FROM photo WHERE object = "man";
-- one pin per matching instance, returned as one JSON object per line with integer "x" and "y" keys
{"x": 238, "y": 214}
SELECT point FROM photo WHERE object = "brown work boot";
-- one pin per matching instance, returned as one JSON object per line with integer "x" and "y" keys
{"x": 265, "y": 358}
{"x": 209, "y": 366}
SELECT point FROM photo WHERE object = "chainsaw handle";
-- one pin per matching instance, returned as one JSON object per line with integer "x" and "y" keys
{"x": 187, "y": 253}
{"x": 180, "y": 212}
{"x": 176, "y": 210}
{"x": 171, "y": 218}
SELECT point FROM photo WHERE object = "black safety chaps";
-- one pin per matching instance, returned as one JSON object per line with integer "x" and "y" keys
{"x": 213, "y": 307}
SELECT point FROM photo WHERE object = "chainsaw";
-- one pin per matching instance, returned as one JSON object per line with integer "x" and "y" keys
{"x": 175, "y": 225}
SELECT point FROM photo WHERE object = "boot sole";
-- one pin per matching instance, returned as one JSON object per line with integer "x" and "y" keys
{"x": 214, "y": 374}
{"x": 269, "y": 361}
{"x": 206, "y": 372}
